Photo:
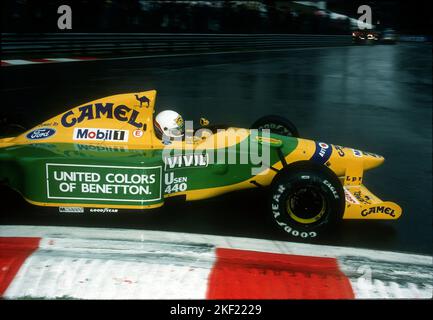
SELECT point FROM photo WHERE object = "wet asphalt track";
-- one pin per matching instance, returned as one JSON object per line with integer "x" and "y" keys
{"x": 375, "y": 98}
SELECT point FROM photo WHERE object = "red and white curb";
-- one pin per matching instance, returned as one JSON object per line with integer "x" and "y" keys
{"x": 19, "y": 62}
{"x": 91, "y": 263}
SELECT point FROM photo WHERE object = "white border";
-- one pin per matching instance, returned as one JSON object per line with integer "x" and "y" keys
{"x": 101, "y": 166}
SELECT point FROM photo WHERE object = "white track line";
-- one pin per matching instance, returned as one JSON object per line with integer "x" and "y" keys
{"x": 19, "y": 62}
{"x": 28, "y": 62}
{"x": 62, "y": 59}
{"x": 220, "y": 52}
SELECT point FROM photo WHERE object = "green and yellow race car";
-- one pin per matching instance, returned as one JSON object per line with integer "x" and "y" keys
{"x": 114, "y": 153}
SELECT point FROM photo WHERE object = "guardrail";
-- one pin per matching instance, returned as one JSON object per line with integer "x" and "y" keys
{"x": 108, "y": 43}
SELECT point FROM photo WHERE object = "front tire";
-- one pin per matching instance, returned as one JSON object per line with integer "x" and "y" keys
{"x": 306, "y": 200}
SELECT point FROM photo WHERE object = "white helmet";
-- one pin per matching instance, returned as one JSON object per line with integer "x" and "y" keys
{"x": 169, "y": 123}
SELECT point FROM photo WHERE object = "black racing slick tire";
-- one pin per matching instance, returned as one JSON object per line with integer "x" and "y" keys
{"x": 276, "y": 124}
{"x": 307, "y": 199}
{"x": 11, "y": 125}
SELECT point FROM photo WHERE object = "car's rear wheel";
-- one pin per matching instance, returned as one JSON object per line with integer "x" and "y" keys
{"x": 307, "y": 199}
{"x": 11, "y": 125}
{"x": 276, "y": 124}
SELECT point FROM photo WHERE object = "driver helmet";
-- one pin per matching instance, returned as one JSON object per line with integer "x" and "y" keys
{"x": 169, "y": 123}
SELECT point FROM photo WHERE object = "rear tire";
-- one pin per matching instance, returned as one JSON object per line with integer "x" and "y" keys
{"x": 12, "y": 125}
{"x": 306, "y": 199}
{"x": 276, "y": 124}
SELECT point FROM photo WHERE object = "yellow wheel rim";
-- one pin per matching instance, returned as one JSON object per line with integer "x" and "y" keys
{"x": 296, "y": 216}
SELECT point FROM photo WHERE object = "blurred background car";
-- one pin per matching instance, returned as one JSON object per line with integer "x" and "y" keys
{"x": 365, "y": 36}
{"x": 358, "y": 36}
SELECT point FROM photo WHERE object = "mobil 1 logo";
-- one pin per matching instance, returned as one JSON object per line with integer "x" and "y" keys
{"x": 94, "y": 134}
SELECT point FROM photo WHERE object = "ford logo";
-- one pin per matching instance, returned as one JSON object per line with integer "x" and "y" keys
{"x": 42, "y": 133}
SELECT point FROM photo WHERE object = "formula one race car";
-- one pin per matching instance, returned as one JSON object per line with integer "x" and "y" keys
{"x": 109, "y": 153}
{"x": 365, "y": 37}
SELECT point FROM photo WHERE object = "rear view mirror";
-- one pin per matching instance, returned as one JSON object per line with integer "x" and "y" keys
{"x": 204, "y": 122}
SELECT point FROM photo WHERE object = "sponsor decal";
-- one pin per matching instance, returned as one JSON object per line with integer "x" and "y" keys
{"x": 94, "y": 134}
{"x": 42, "y": 133}
{"x": 353, "y": 179}
{"x": 174, "y": 184}
{"x": 99, "y": 148}
{"x": 137, "y": 133}
{"x": 99, "y": 110}
{"x": 71, "y": 209}
{"x": 271, "y": 141}
{"x": 357, "y": 153}
{"x": 49, "y": 124}
{"x": 103, "y": 210}
{"x": 186, "y": 161}
{"x": 371, "y": 154}
{"x": 340, "y": 150}
{"x": 378, "y": 209}
{"x": 142, "y": 100}
{"x": 96, "y": 182}
{"x": 363, "y": 198}
{"x": 350, "y": 198}
{"x": 179, "y": 121}
{"x": 323, "y": 152}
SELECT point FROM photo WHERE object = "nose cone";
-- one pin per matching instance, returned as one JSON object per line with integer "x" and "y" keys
{"x": 372, "y": 160}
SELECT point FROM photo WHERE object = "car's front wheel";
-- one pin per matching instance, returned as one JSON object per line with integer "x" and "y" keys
{"x": 306, "y": 199}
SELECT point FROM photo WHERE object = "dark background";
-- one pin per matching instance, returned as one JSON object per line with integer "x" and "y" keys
{"x": 221, "y": 16}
